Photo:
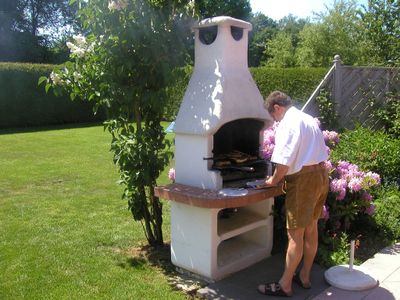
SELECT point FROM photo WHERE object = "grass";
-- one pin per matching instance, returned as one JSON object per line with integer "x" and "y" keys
{"x": 65, "y": 233}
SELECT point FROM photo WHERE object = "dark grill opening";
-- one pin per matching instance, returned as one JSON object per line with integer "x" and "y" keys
{"x": 236, "y": 152}
{"x": 242, "y": 135}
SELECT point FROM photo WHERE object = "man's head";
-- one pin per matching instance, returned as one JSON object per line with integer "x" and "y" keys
{"x": 277, "y": 103}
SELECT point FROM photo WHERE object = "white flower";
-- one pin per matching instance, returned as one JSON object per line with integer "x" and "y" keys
{"x": 80, "y": 40}
{"x": 117, "y": 4}
{"x": 91, "y": 47}
{"x": 77, "y": 76}
{"x": 56, "y": 78}
{"x": 112, "y": 5}
{"x": 75, "y": 50}
{"x": 70, "y": 45}
{"x": 80, "y": 46}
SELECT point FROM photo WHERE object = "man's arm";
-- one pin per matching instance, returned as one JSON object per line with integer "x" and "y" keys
{"x": 277, "y": 177}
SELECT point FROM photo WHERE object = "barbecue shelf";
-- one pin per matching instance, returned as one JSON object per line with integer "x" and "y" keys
{"x": 242, "y": 219}
{"x": 242, "y": 248}
{"x": 211, "y": 244}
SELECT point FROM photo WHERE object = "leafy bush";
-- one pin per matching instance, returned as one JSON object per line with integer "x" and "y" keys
{"x": 328, "y": 116}
{"x": 333, "y": 250}
{"x": 370, "y": 150}
{"x": 388, "y": 113}
{"x": 175, "y": 91}
{"x": 387, "y": 211}
{"x": 24, "y": 103}
{"x": 298, "y": 83}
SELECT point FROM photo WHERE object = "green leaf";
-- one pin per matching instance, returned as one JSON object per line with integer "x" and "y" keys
{"x": 42, "y": 79}
{"x": 47, "y": 87}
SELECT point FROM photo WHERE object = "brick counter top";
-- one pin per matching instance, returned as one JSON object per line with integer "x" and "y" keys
{"x": 210, "y": 198}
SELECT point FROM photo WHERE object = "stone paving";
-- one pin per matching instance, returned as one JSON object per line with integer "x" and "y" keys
{"x": 384, "y": 266}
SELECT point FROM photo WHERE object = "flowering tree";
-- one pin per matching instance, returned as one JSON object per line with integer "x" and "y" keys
{"x": 122, "y": 63}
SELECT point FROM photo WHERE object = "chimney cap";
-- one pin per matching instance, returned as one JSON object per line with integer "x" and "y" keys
{"x": 223, "y": 20}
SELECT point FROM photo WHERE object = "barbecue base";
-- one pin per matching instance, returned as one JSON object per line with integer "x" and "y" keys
{"x": 214, "y": 236}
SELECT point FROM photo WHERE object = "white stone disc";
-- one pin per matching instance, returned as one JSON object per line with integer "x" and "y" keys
{"x": 353, "y": 280}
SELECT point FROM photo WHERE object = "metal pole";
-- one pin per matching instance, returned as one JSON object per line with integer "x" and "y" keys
{"x": 351, "y": 255}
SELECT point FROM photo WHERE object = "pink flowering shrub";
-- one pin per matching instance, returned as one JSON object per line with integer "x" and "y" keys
{"x": 350, "y": 188}
{"x": 269, "y": 141}
{"x": 349, "y": 195}
{"x": 171, "y": 174}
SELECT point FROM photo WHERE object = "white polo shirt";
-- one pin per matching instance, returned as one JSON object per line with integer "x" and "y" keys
{"x": 298, "y": 141}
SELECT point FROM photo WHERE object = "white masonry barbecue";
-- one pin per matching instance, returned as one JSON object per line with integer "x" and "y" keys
{"x": 222, "y": 112}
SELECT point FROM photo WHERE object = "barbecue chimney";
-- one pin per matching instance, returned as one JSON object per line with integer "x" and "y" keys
{"x": 221, "y": 90}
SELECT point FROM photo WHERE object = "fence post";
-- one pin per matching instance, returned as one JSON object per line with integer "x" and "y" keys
{"x": 337, "y": 86}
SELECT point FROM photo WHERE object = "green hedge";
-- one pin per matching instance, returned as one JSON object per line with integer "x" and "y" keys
{"x": 24, "y": 103}
{"x": 299, "y": 83}
{"x": 387, "y": 213}
{"x": 372, "y": 150}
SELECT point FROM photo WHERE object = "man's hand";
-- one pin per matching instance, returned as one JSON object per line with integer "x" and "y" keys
{"x": 264, "y": 184}
{"x": 269, "y": 181}
{"x": 279, "y": 174}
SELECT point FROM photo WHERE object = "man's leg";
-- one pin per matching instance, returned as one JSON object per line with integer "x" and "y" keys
{"x": 310, "y": 250}
{"x": 294, "y": 254}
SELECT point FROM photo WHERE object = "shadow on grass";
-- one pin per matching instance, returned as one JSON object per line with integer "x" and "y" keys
{"x": 133, "y": 262}
{"x": 30, "y": 129}
{"x": 160, "y": 258}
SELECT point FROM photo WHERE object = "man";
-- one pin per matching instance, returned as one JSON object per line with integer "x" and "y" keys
{"x": 299, "y": 155}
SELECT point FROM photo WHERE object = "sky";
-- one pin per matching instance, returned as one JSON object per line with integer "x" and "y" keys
{"x": 300, "y": 8}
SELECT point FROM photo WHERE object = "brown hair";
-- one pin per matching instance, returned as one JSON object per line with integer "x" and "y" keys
{"x": 279, "y": 98}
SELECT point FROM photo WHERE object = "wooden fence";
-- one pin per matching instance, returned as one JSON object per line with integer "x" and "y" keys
{"x": 355, "y": 92}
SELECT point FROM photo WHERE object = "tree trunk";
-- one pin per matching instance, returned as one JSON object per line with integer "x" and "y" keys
{"x": 157, "y": 215}
{"x": 152, "y": 217}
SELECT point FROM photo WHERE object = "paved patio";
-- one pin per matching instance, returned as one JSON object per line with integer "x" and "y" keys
{"x": 384, "y": 266}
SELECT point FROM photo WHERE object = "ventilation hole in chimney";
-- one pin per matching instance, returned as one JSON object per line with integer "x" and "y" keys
{"x": 237, "y": 33}
{"x": 208, "y": 35}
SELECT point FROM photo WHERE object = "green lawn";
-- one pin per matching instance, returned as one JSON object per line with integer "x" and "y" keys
{"x": 65, "y": 233}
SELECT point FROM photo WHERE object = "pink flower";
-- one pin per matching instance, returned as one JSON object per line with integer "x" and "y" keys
{"x": 342, "y": 165}
{"x": 337, "y": 185}
{"x": 341, "y": 195}
{"x": 269, "y": 141}
{"x": 331, "y": 137}
{"x": 171, "y": 174}
{"x": 371, "y": 179}
{"x": 370, "y": 210}
{"x": 268, "y": 150}
{"x": 328, "y": 165}
{"x": 355, "y": 184}
{"x": 325, "y": 212}
{"x": 366, "y": 196}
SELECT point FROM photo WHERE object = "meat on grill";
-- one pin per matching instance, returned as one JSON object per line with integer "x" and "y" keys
{"x": 234, "y": 157}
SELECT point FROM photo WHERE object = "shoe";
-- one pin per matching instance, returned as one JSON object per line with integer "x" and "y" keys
{"x": 273, "y": 289}
{"x": 296, "y": 278}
